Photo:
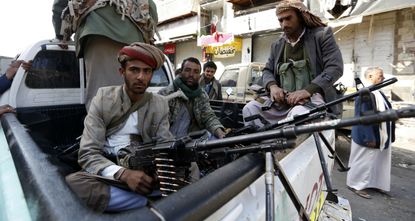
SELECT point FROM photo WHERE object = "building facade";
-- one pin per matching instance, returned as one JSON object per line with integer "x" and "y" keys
{"x": 369, "y": 33}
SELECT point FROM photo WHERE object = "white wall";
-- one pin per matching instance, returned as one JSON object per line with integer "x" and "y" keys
{"x": 262, "y": 47}
{"x": 185, "y": 50}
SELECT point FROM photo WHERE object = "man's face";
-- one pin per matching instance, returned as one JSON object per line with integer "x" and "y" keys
{"x": 190, "y": 73}
{"x": 209, "y": 73}
{"x": 289, "y": 21}
{"x": 137, "y": 76}
{"x": 376, "y": 77}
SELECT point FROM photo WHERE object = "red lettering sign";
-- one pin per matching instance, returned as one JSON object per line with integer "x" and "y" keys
{"x": 169, "y": 48}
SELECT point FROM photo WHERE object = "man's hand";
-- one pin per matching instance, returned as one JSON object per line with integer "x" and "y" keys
{"x": 277, "y": 94}
{"x": 298, "y": 97}
{"x": 137, "y": 181}
{"x": 62, "y": 43}
{"x": 6, "y": 109}
{"x": 12, "y": 69}
{"x": 26, "y": 65}
{"x": 14, "y": 66}
{"x": 219, "y": 133}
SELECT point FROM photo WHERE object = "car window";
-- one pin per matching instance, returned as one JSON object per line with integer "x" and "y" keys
{"x": 256, "y": 76}
{"x": 54, "y": 69}
{"x": 160, "y": 78}
{"x": 229, "y": 78}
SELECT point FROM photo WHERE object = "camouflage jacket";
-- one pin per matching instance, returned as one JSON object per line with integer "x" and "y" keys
{"x": 202, "y": 112}
{"x": 107, "y": 106}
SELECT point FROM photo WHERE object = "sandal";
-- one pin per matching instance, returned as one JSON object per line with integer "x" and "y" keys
{"x": 360, "y": 193}
{"x": 381, "y": 191}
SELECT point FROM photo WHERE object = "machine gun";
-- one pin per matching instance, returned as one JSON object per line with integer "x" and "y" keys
{"x": 183, "y": 151}
{"x": 316, "y": 112}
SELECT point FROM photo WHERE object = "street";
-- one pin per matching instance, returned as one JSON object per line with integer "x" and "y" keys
{"x": 399, "y": 203}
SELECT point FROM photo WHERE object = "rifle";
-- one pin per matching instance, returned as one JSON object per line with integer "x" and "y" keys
{"x": 319, "y": 112}
{"x": 313, "y": 112}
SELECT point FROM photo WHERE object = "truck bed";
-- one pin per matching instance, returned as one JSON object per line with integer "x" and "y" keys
{"x": 36, "y": 135}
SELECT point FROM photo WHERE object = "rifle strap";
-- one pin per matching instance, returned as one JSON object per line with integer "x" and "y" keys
{"x": 137, "y": 105}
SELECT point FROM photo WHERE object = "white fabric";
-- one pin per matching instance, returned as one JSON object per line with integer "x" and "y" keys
{"x": 295, "y": 42}
{"x": 381, "y": 106}
{"x": 369, "y": 168}
{"x": 119, "y": 140}
{"x": 110, "y": 171}
{"x": 273, "y": 115}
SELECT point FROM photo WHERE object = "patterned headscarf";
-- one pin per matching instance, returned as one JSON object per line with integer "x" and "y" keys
{"x": 146, "y": 53}
{"x": 310, "y": 20}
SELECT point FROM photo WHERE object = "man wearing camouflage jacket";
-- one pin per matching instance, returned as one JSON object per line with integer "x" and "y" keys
{"x": 189, "y": 104}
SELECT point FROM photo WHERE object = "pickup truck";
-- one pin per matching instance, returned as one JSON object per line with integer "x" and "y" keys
{"x": 37, "y": 152}
{"x": 237, "y": 79}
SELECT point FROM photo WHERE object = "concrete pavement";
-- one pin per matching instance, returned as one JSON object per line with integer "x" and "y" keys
{"x": 399, "y": 204}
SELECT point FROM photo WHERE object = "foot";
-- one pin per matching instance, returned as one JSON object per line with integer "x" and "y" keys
{"x": 360, "y": 193}
{"x": 381, "y": 191}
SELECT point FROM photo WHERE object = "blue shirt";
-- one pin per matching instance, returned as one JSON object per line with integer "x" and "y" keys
{"x": 5, "y": 83}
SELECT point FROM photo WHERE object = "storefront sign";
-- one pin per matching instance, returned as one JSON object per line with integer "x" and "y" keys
{"x": 226, "y": 50}
{"x": 169, "y": 48}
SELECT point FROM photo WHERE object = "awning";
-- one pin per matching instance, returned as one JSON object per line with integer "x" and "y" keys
{"x": 369, "y": 7}
{"x": 365, "y": 8}
{"x": 242, "y": 2}
{"x": 175, "y": 40}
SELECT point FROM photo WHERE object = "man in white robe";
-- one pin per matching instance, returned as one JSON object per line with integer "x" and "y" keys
{"x": 370, "y": 156}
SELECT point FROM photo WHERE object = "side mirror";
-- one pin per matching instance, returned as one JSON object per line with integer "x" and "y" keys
{"x": 229, "y": 91}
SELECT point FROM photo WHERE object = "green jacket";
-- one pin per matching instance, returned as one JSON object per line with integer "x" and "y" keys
{"x": 103, "y": 21}
{"x": 107, "y": 106}
{"x": 202, "y": 112}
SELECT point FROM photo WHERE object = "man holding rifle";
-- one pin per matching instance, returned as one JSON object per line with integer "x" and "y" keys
{"x": 119, "y": 116}
{"x": 303, "y": 65}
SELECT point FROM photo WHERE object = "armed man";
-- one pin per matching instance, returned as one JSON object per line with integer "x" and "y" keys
{"x": 119, "y": 116}
{"x": 302, "y": 67}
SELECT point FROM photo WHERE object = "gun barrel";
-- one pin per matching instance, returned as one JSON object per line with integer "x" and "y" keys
{"x": 292, "y": 131}
{"x": 355, "y": 94}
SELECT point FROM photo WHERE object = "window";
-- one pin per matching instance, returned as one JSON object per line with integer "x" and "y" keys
{"x": 229, "y": 78}
{"x": 160, "y": 78}
{"x": 256, "y": 76}
{"x": 54, "y": 69}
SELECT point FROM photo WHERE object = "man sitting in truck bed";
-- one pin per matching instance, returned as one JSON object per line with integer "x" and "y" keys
{"x": 118, "y": 116}
{"x": 189, "y": 104}
{"x": 209, "y": 83}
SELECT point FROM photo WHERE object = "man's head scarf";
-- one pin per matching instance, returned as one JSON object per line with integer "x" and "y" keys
{"x": 146, "y": 53}
{"x": 310, "y": 20}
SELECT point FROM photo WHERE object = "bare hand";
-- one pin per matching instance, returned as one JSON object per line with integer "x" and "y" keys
{"x": 6, "y": 109}
{"x": 219, "y": 133}
{"x": 63, "y": 44}
{"x": 12, "y": 69}
{"x": 298, "y": 97}
{"x": 277, "y": 94}
{"x": 26, "y": 65}
{"x": 371, "y": 144}
{"x": 137, "y": 181}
